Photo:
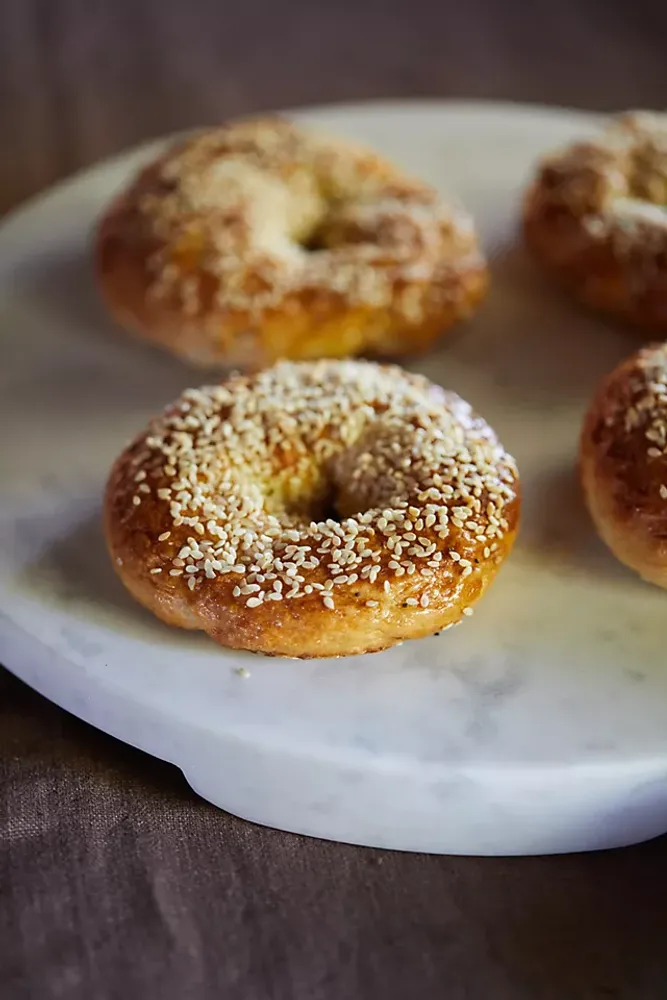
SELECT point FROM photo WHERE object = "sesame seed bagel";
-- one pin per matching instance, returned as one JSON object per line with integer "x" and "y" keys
{"x": 313, "y": 509}
{"x": 260, "y": 240}
{"x": 623, "y": 461}
{"x": 596, "y": 218}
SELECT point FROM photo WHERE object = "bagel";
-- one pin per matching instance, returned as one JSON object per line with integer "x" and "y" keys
{"x": 260, "y": 240}
{"x": 313, "y": 509}
{"x": 623, "y": 461}
{"x": 596, "y": 218}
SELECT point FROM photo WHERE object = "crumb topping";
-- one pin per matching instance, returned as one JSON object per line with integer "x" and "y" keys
{"x": 313, "y": 476}
{"x": 246, "y": 215}
{"x": 617, "y": 182}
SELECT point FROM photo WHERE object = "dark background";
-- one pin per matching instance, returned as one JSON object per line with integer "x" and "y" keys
{"x": 80, "y": 79}
{"x": 116, "y": 882}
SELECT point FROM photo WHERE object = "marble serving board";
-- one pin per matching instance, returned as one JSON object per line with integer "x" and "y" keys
{"x": 538, "y": 725}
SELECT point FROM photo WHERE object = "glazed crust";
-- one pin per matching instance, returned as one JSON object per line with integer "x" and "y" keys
{"x": 596, "y": 217}
{"x": 623, "y": 462}
{"x": 406, "y": 583}
{"x": 259, "y": 240}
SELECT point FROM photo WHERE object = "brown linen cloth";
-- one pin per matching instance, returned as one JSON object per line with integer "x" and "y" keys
{"x": 116, "y": 882}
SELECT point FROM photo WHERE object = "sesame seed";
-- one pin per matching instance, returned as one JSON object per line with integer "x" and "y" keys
{"x": 136, "y": 500}
{"x": 424, "y": 600}
{"x": 411, "y": 601}
{"x": 155, "y": 571}
{"x": 372, "y": 604}
{"x": 467, "y": 611}
{"x": 427, "y": 467}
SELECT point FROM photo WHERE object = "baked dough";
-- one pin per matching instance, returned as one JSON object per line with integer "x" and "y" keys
{"x": 624, "y": 462}
{"x": 596, "y": 218}
{"x": 260, "y": 240}
{"x": 313, "y": 509}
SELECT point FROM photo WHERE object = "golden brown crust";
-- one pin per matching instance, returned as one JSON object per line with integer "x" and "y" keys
{"x": 596, "y": 217}
{"x": 623, "y": 462}
{"x": 216, "y": 516}
{"x": 259, "y": 240}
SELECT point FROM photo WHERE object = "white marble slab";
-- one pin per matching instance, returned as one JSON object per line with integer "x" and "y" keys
{"x": 539, "y": 725}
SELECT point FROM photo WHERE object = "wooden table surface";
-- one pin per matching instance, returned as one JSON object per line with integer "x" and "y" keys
{"x": 80, "y": 79}
{"x": 115, "y": 881}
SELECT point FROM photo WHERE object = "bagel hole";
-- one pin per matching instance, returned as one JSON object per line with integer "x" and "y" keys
{"x": 327, "y": 509}
{"x": 332, "y": 232}
{"x": 313, "y": 242}
{"x": 315, "y": 501}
